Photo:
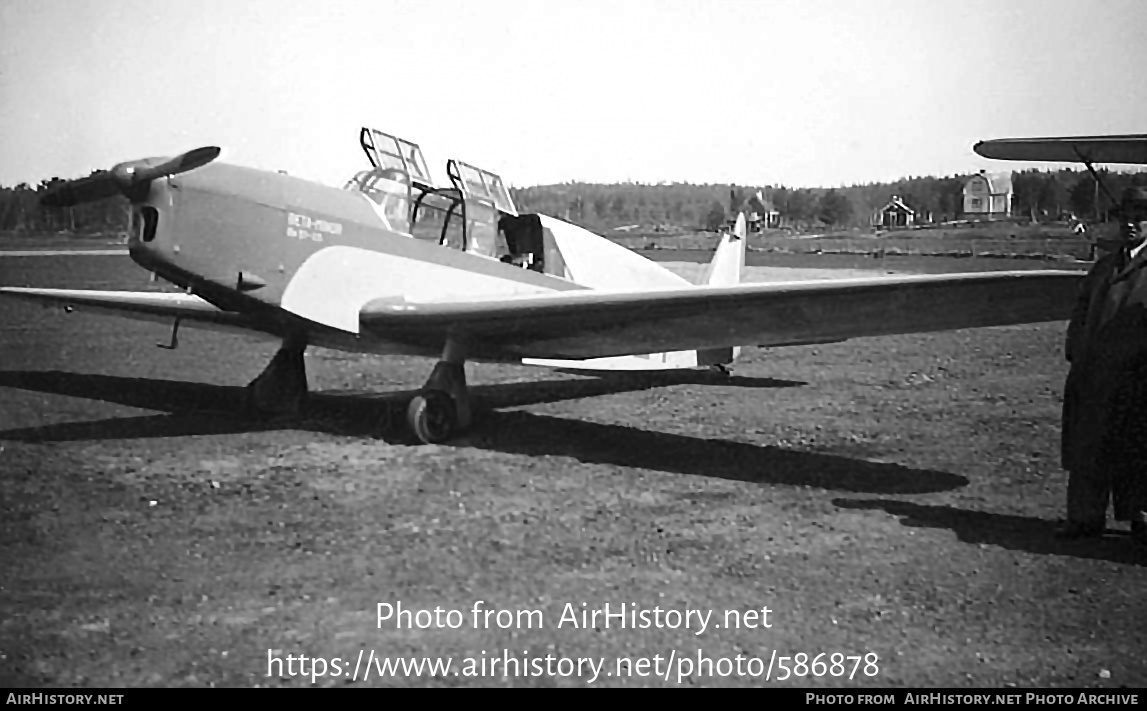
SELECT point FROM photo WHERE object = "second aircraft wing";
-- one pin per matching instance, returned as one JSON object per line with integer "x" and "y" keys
{"x": 1068, "y": 149}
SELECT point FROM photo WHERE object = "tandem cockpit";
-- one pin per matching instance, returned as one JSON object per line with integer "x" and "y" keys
{"x": 475, "y": 214}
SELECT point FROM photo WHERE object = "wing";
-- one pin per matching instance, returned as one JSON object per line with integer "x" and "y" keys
{"x": 595, "y": 324}
{"x": 150, "y": 306}
{"x": 1068, "y": 149}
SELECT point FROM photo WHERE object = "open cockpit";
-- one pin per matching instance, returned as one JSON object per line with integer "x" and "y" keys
{"x": 475, "y": 214}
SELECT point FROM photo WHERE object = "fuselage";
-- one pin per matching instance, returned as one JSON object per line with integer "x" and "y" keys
{"x": 302, "y": 257}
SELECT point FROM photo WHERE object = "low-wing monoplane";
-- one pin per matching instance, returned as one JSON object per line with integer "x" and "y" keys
{"x": 394, "y": 264}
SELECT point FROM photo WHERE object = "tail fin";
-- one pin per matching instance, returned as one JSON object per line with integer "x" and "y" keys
{"x": 725, "y": 270}
{"x": 729, "y": 259}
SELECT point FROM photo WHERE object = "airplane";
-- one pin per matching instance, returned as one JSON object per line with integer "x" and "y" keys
{"x": 394, "y": 264}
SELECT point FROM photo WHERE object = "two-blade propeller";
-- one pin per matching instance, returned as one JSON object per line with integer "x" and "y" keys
{"x": 130, "y": 179}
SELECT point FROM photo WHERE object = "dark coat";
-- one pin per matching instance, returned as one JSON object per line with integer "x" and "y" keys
{"x": 1107, "y": 348}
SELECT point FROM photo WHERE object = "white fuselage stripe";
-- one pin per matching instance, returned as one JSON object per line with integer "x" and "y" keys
{"x": 333, "y": 284}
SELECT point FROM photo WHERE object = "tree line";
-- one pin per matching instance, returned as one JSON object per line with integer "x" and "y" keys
{"x": 1036, "y": 194}
{"x": 20, "y": 211}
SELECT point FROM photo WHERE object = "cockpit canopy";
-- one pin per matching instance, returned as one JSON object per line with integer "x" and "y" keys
{"x": 476, "y": 214}
{"x": 389, "y": 152}
{"x": 389, "y": 191}
{"x": 481, "y": 183}
{"x": 464, "y": 216}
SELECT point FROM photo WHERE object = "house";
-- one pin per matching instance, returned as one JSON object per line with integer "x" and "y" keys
{"x": 768, "y": 217}
{"x": 894, "y": 214}
{"x": 988, "y": 195}
{"x": 759, "y": 213}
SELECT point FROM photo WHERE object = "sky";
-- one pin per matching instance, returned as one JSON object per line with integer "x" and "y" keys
{"x": 803, "y": 93}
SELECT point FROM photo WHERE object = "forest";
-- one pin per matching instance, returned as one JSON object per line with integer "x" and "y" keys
{"x": 1038, "y": 196}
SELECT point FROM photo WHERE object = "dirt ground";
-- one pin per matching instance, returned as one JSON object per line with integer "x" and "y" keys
{"x": 893, "y": 497}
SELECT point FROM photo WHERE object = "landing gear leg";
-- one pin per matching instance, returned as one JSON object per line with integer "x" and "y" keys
{"x": 718, "y": 360}
{"x": 721, "y": 371}
{"x": 281, "y": 389}
{"x": 442, "y": 409}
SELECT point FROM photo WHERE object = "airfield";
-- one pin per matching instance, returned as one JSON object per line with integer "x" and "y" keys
{"x": 894, "y": 496}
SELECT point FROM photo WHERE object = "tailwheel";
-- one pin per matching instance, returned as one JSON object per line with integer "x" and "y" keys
{"x": 432, "y": 416}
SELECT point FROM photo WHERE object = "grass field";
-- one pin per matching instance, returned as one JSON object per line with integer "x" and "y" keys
{"x": 1052, "y": 242}
{"x": 893, "y": 497}
{"x": 902, "y": 264}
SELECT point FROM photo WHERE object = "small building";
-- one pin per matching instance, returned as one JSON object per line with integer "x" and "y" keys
{"x": 759, "y": 213}
{"x": 767, "y": 216}
{"x": 988, "y": 195}
{"x": 894, "y": 214}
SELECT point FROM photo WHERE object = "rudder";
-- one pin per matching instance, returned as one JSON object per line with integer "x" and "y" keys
{"x": 725, "y": 270}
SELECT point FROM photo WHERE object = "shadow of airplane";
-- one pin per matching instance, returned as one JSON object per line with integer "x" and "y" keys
{"x": 621, "y": 445}
{"x": 202, "y": 408}
{"x": 197, "y": 408}
{"x": 1022, "y": 533}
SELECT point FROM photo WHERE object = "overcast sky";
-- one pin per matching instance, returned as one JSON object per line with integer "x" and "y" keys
{"x": 754, "y": 92}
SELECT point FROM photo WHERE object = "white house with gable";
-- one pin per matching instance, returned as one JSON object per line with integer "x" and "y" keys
{"x": 988, "y": 195}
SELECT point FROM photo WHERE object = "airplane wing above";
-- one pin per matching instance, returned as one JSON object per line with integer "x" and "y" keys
{"x": 146, "y": 305}
{"x": 1068, "y": 149}
{"x": 596, "y": 324}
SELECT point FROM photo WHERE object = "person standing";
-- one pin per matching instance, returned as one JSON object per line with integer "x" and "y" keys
{"x": 1104, "y": 439}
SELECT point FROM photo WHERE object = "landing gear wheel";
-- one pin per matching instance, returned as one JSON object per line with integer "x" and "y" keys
{"x": 432, "y": 417}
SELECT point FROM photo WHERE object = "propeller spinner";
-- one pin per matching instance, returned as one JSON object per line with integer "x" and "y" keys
{"x": 130, "y": 178}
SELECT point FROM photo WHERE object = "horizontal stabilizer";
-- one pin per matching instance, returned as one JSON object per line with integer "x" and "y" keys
{"x": 630, "y": 363}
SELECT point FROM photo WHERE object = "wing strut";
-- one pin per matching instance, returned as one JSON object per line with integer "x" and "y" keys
{"x": 1098, "y": 181}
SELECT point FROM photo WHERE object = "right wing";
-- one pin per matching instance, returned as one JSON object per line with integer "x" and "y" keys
{"x": 1068, "y": 149}
{"x": 597, "y": 324}
{"x": 146, "y": 305}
